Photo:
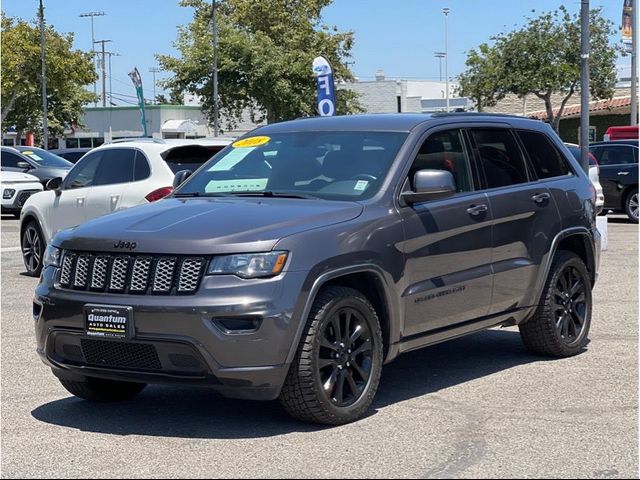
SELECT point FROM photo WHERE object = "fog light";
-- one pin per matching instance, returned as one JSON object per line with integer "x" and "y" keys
{"x": 236, "y": 326}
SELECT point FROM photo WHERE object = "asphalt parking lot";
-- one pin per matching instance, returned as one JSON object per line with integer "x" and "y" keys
{"x": 474, "y": 407}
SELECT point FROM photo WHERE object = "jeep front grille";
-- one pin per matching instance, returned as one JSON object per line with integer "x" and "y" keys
{"x": 131, "y": 274}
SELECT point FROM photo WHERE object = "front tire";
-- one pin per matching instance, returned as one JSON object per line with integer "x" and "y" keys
{"x": 631, "y": 205}
{"x": 336, "y": 371}
{"x": 560, "y": 325}
{"x": 102, "y": 391}
{"x": 32, "y": 245}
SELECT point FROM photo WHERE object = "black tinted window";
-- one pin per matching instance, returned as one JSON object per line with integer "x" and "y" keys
{"x": 189, "y": 157}
{"x": 83, "y": 174}
{"x": 10, "y": 159}
{"x": 117, "y": 166}
{"x": 141, "y": 169}
{"x": 444, "y": 151}
{"x": 614, "y": 154}
{"x": 500, "y": 157}
{"x": 546, "y": 158}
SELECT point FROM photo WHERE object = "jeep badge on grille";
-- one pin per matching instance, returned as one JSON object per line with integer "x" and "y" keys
{"x": 125, "y": 245}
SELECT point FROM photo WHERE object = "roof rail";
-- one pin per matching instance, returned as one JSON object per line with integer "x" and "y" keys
{"x": 138, "y": 139}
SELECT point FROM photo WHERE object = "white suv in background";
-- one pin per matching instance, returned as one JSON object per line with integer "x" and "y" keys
{"x": 111, "y": 177}
{"x": 16, "y": 188}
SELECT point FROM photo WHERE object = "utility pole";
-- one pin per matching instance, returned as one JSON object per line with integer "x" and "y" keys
{"x": 634, "y": 62}
{"x": 93, "y": 41}
{"x": 45, "y": 123}
{"x": 214, "y": 79}
{"x": 104, "y": 73}
{"x": 446, "y": 52}
{"x": 154, "y": 70}
{"x": 440, "y": 56}
{"x": 584, "y": 84}
{"x": 111, "y": 54}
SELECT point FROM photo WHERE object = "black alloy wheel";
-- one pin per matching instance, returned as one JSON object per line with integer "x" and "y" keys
{"x": 32, "y": 249}
{"x": 345, "y": 357}
{"x": 570, "y": 305}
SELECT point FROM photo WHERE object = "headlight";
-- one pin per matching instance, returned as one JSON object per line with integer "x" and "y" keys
{"x": 250, "y": 265}
{"x": 8, "y": 193}
{"x": 52, "y": 257}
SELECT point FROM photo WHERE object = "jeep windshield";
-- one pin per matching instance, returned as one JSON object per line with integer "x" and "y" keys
{"x": 324, "y": 164}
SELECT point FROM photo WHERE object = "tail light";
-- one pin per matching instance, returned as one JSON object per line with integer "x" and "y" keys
{"x": 594, "y": 194}
{"x": 159, "y": 194}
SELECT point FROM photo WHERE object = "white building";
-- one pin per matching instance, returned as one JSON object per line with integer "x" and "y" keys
{"x": 384, "y": 95}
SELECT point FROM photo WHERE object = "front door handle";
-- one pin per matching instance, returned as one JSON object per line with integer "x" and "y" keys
{"x": 80, "y": 201}
{"x": 623, "y": 173}
{"x": 541, "y": 197}
{"x": 477, "y": 209}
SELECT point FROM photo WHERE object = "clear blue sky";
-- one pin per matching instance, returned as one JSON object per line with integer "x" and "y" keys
{"x": 398, "y": 36}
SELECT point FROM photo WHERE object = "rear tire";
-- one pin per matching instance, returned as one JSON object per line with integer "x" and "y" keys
{"x": 631, "y": 205}
{"x": 336, "y": 370}
{"x": 32, "y": 245}
{"x": 102, "y": 391}
{"x": 560, "y": 325}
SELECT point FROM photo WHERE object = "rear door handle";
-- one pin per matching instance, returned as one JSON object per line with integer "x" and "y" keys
{"x": 477, "y": 209}
{"x": 80, "y": 201}
{"x": 541, "y": 197}
{"x": 623, "y": 173}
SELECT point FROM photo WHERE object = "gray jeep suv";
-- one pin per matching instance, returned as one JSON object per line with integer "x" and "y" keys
{"x": 303, "y": 257}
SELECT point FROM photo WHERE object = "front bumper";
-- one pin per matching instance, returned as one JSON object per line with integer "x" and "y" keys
{"x": 178, "y": 339}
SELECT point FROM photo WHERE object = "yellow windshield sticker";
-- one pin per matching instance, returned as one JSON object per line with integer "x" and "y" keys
{"x": 251, "y": 142}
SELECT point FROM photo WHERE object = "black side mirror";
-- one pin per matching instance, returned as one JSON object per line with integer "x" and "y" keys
{"x": 24, "y": 165}
{"x": 180, "y": 177}
{"x": 55, "y": 184}
{"x": 430, "y": 185}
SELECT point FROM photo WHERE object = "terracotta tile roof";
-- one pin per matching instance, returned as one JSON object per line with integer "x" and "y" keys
{"x": 597, "y": 106}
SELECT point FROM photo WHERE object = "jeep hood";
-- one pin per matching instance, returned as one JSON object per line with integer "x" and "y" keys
{"x": 206, "y": 226}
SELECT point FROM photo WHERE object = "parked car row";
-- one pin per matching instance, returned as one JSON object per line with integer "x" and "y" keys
{"x": 613, "y": 168}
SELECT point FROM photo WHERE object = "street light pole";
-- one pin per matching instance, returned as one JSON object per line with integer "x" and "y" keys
{"x": 584, "y": 84}
{"x": 154, "y": 70}
{"x": 111, "y": 54}
{"x": 93, "y": 41}
{"x": 45, "y": 123}
{"x": 446, "y": 53}
{"x": 214, "y": 79}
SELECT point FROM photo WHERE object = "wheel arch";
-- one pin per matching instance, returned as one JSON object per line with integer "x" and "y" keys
{"x": 370, "y": 281}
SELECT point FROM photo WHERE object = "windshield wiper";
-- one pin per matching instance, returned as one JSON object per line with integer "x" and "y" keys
{"x": 271, "y": 193}
{"x": 199, "y": 194}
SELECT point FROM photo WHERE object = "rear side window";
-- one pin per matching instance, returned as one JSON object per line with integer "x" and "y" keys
{"x": 547, "y": 160}
{"x": 141, "y": 170}
{"x": 615, "y": 154}
{"x": 83, "y": 173}
{"x": 117, "y": 166}
{"x": 500, "y": 157}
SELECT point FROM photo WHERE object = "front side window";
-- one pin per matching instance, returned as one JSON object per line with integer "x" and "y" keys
{"x": 547, "y": 160}
{"x": 325, "y": 164}
{"x": 445, "y": 151}
{"x": 10, "y": 159}
{"x": 117, "y": 166}
{"x": 84, "y": 172}
{"x": 500, "y": 157}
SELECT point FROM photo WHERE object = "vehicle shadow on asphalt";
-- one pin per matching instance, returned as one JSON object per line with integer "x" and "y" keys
{"x": 200, "y": 413}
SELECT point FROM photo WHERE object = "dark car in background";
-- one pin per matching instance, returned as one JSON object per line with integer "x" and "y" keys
{"x": 618, "y": 162}
{"x": 35, "y": 161}
{"x": 70, "y": 154}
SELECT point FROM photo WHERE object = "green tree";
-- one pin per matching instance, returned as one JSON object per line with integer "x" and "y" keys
{"x": 68, "y": 72}
{"x": 265, "y": 53}
{"x": 543, "y": 59}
